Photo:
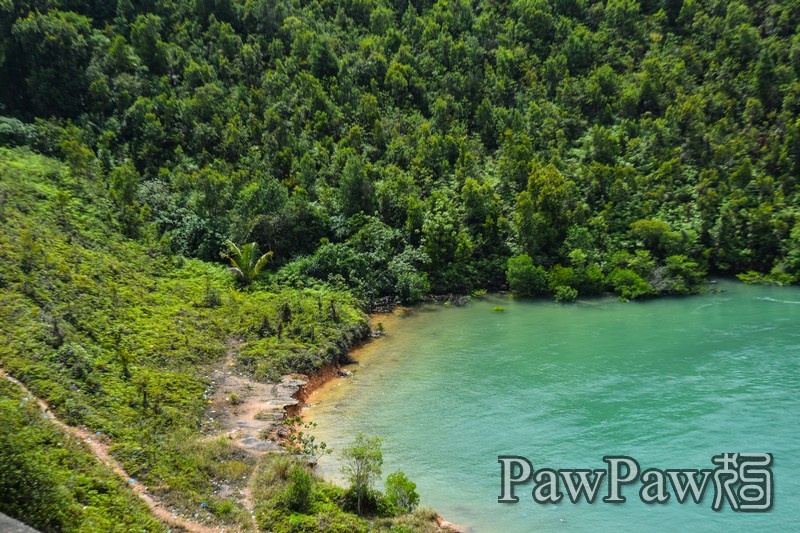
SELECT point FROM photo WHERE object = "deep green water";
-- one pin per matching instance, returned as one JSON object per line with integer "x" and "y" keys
{"x": 670, "y": 382}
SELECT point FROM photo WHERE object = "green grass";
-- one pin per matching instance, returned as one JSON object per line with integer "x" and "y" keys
{"x": 49, "y": 478}
{"x": 121, "y": 337}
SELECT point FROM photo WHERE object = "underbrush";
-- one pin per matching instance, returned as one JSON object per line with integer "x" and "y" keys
{"x": 121, "y": 337}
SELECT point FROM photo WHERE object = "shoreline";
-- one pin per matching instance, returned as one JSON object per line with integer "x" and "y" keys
{"x": 331, "y": 372}
{"x": 326, "y": 374}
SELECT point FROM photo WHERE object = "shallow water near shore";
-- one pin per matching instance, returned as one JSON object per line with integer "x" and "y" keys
{"x": 670, "y": 383}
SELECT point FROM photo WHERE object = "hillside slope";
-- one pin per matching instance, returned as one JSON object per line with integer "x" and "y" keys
{"x": 121, "y": 340}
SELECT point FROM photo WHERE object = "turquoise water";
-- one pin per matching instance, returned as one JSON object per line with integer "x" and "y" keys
{"x": 670, "y": 383}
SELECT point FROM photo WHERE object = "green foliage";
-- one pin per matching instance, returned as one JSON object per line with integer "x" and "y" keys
{"x": 245, "y": 261}
{"x": 773, "y": 278}
{"x": 473, "y": 133}
{"x": 120, "y": 337}
{"x": 288, "y": 498}
{"x": 362, "y": 462}
{"x": 297, "y": 494}
{"x": 656, "y": 237}
{"x": 14, "y": 132}
{"x": 53, "y": 49}
{"x": 302, "y": 440}
{"x": 51, "y": 482}
{"x": 560, "y": 276}
{"x": 370, "y": 262}
{"x": 563, "y": 293}
{"x": 628, "y": 284}
{"x": 552, "y": 201}
{"x": 524, "y": 278}
{"x": 412, "y": 286}
{"x": 401, "y": 492}
{"x": 684, "y": 276}
{"x": 356, "y": 191}
{"x": 382, "y": 151}
{"x": 588, "y": 278}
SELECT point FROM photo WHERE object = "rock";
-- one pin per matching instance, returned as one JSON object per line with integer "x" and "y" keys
{"x": 447, "y": 526}
{"x": 261, "y": 445}
{"x": 10, "y": 525}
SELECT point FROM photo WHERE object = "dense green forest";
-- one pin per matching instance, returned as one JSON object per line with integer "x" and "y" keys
{"x": 380, "y": 151}
{"x": 401, "y": 148}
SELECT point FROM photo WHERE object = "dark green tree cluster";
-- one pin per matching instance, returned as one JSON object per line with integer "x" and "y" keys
{"x": 406, "y": 147}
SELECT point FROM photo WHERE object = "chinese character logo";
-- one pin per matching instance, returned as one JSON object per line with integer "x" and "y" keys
{"x": 744, "y": 480}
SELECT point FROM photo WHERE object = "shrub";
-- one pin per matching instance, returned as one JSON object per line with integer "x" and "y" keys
{"x": 412, "y": 286}
{"x": 684, "y": 275}
{"x": 401, "y": 492}
{"x": 560, "y": 276}
{"x": 296, "y": 496}
{"x": 564, "y": 293}
{"x": 523, "y": 277}
{"x": 628, "y": 284}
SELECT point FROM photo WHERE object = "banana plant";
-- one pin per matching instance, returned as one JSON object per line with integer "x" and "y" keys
{"x": 245, "y": 261}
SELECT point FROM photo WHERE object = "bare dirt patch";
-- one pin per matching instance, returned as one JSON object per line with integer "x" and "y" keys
{"x": 248, "y": 412}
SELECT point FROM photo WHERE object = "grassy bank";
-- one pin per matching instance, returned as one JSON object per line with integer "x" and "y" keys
{"x": 120, "y": 337}
{"x": 53, "y": 482}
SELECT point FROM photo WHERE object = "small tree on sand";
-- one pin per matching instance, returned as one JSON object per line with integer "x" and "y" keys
{"x": 245, "y": 261}
{"x": 362, "y": 465}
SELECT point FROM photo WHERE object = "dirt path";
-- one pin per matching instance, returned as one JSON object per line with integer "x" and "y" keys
{"x": 99, "y": 447}
{"x": 249, "y": 413}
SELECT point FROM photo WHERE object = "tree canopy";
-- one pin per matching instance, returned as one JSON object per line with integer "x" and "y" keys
{"x": 459, "y": 134}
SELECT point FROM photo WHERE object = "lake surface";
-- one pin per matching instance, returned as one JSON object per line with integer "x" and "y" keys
{"x": 670, "y": 383}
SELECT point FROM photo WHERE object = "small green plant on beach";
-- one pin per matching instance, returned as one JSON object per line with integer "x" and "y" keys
{"x": 498, "y": 308}
{"x": 301, "y": 440}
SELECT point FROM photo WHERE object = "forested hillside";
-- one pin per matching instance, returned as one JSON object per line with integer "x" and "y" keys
{"x": 404, "y": 147}
{"x": 125, "y": 341}
{"x": 381, "y": 150}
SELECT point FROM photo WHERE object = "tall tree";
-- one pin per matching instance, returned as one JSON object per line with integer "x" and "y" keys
{"x": 363, "y": 460}
{"x": 53, "y": 50}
